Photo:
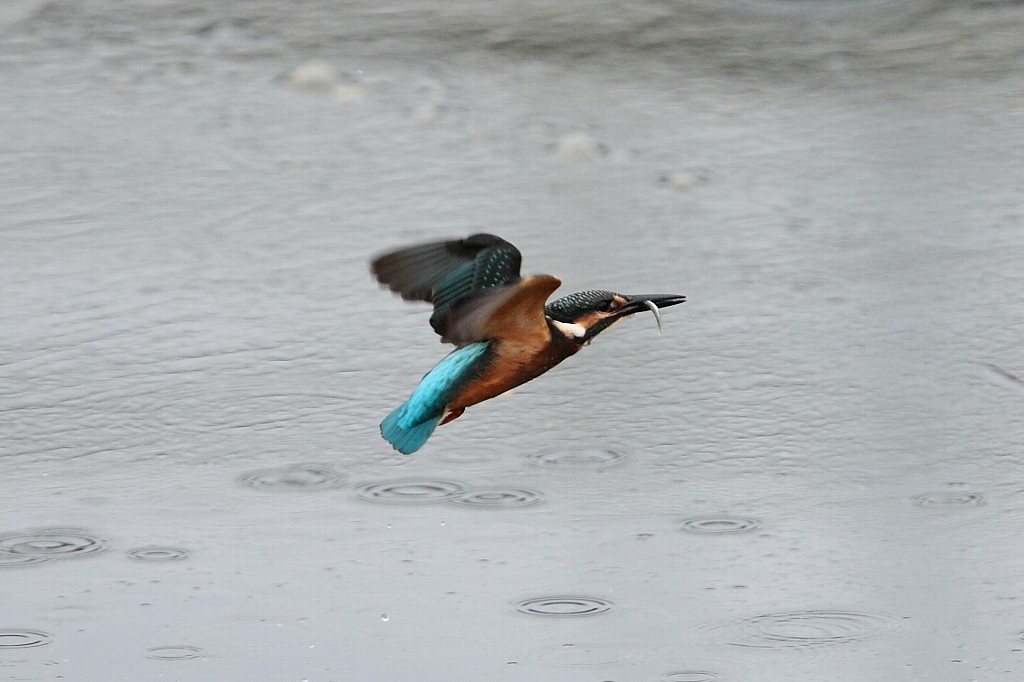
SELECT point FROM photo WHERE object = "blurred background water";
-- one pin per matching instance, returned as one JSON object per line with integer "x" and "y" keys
{"x": 814, "y": 475}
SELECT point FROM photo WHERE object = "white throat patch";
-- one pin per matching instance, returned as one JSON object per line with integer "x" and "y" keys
{"x": 570, "y": 329}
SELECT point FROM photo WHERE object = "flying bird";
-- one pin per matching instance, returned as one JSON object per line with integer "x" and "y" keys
{"x": 504, "y": 333}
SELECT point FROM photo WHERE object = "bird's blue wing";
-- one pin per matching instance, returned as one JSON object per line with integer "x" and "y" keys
{"x": 409, "y": 426}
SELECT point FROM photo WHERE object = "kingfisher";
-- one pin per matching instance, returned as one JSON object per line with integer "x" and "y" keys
{"x": 504, "y": 333}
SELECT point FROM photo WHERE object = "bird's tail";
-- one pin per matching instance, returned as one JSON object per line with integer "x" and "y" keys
{"x": 404, "y": 437}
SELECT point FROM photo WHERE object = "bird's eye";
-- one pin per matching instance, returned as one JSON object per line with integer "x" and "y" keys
{"x": 605, "y": 305}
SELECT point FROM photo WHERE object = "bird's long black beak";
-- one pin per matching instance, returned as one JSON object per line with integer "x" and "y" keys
{"x": 641, "y": 302}
{"x": 638, "y": 303}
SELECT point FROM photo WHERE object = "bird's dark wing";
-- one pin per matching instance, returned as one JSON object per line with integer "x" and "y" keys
{"x": 446, "y": 273}
{"x": 512, "y": 312}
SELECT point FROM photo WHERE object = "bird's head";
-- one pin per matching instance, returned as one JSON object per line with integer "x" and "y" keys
{"x": 585, "y": 314}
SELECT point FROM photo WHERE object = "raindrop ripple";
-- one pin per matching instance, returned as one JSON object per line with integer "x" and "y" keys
{"x": 301, "y": 477}
{"x": 564, "y": 606}
{"x": 497, "y": 498}
{"x": 173, "y": 653}
{"x": 809, "y": 628}
{"x": 155, "y": 553}
{"x": 579, "y": 459}
{"x": 949, "y": 500}
{"x": 40, "y": 544}
{"x": 408, "y": 491}
{"x": 23, "y": 639}
{"x": 690, "y": 676}
{"x": 12, "y": 560}
{"x": 720, "y": 525}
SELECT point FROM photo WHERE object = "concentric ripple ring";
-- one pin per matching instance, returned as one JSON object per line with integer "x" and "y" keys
{"x": 52, "y": 543}
{"x": 579, "y": 459}
{"x": 564, "y": 606}
{"x": 13, "y": 560}
{"x": 712, "y": 525}
{"x": 408, "y": 491}
{"x": 299, "y": 477}
{"x": 23, "y": 639}
{"x": 155, "y": 553}
{"x": 173, "y": 653}
{"x": 497, "y": 498}
{"x": 809, "y": 628}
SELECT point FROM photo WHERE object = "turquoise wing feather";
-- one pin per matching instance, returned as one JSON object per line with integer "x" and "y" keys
{"x": 448, "y": 273}
{"x": 409, "y": 426}
{"x": 496, "y": 265}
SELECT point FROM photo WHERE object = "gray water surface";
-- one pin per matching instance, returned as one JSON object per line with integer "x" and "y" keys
{"x": 816, "y": 474}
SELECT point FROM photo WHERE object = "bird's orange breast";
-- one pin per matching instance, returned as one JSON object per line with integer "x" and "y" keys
{"x": 513, "y": 364}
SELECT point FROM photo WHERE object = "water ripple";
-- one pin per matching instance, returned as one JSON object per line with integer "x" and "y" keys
{"x": 155, "y": 553}
{"x": 809, "y": 629}
{"x": 12, "y": 560}
{"x": 173, "y": 653}
{"x": 497, "y": 498}
{"x": 563, "y": 607}
{"x": 23, "y": 639}
{"x": 950, "y": 499}
{"x": 718, "y": 525}
{"x": 301, "y": 477}
{"x": 690, "y": 676}
{"x": 578, "y": 459}
{"x": 43, "y": 544}
{"x": 408, "y": 491}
